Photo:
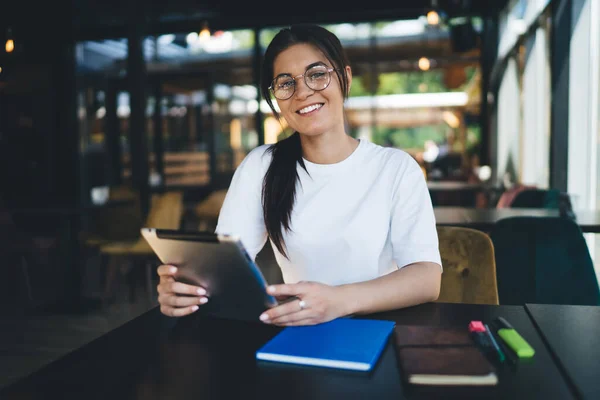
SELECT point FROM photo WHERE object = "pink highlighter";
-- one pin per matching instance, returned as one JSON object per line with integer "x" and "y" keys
{"x": 482, "y": 335}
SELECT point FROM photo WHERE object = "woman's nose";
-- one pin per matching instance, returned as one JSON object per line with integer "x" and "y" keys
{"x": 302, "y": 90}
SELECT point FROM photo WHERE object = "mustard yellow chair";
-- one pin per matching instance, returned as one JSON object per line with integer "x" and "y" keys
{"x": 469, "y": 266}
{"x": 166, "y": 211}
{"x": 208, "y": 210}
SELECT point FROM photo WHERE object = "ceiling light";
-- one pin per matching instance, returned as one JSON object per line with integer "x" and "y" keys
{"x": 433, "y": 18}
{"x": 10, "y": 43}
{"x": 204, "y": 34}
{"x": 424, "y": 63}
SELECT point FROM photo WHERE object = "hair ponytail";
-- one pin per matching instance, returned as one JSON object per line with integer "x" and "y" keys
{"x": 279, "y": 184}
{"x": 279, "y": 188}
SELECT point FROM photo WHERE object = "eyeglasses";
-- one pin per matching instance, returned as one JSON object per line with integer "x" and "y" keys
{"x": 316, "y": 78}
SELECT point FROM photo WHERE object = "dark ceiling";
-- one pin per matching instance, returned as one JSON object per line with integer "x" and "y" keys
{"x": 97, "y": 19}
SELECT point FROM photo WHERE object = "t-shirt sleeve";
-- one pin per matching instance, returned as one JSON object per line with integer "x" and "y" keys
{"x": 241, "y": 213}
{"x": 413, "y": 228}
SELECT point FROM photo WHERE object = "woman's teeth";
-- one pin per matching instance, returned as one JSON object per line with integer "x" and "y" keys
{"x": 310, "y": 108}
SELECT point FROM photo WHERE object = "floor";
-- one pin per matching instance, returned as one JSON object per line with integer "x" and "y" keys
{"x": 31, "y": 342}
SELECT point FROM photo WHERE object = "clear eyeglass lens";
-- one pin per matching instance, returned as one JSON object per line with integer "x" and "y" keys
{"x": 317, "y": 78}
{"x": 284, "y": 87}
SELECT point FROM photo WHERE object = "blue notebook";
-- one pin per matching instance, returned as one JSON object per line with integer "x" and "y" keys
{"x": 345, "y": 343}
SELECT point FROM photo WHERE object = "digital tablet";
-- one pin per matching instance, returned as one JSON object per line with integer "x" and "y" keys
{"x": 219, "y": 263}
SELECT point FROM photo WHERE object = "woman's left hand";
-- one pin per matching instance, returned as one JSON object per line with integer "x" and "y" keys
{"x": 315, "y": 303}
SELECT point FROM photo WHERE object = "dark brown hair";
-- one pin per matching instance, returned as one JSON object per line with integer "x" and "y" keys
{"x": 279, "y": 185}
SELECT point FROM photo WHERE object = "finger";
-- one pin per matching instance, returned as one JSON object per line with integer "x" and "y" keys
{"x": 177, "y": 312}
{"x": 281, "y": 310}
{"x": 166, "y": 278}
{"x": 291, "y": 318}
{"x": 184, "y": 288}
{"x": 285, "y": 299}
{"x": 181, "y": 301}
{"x": 289, "y": 289}
{"x": 170, "y": 286}
{"x": 164, "y": 286}
{"x": 166, "y": 270}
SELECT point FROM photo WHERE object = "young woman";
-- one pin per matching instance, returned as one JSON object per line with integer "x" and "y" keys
{"x": 350, "y": 222}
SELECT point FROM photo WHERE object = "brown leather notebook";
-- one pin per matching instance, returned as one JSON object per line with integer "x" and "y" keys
{"x": 434, "y": 355}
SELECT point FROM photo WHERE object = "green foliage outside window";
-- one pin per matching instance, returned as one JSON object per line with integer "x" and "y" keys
{"x": 358, "y": 87}
{"x": 408, "y": 83}
{"x": 405, "y": 82}
{"x": 408, "y": 138}
{"x": 411, "y": 82}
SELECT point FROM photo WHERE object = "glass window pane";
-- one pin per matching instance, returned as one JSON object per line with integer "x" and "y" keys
{"x": 97, "y": 64}
{"x": 209, "y": 100}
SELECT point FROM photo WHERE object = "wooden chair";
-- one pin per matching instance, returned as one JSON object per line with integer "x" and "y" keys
{"x": 208, "y": 210}
{"x": 166, "y": 211}
{"x": 469, "y": 266}
{"x": 115, "y": 224}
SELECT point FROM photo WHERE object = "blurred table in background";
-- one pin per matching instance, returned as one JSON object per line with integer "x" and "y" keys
{"x": 462, "y": 193}
{"x": 456, "y": 186}
{"x": 485, "y": 218}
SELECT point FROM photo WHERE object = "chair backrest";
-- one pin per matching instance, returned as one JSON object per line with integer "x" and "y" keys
{"x": 508, "y": 196}
{"x": 543, "y": 260}
{"x": 123, "y": 192}
{"x": 537, "y": 198}
{"x": 166, "y": 210}
{"x": 469, "y": 274}
{"x": 211, "y": 206}
{"x": 121, "y": 222}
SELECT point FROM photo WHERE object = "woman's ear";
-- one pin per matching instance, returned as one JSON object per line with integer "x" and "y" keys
{"x": 349, "y": 75}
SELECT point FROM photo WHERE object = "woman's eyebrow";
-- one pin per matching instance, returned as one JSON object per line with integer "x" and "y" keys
{"x": 315, "y": 64}
{"x": 307, "y": 67}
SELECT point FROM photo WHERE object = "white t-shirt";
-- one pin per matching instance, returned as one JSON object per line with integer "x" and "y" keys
{"x": 352, "y": 221}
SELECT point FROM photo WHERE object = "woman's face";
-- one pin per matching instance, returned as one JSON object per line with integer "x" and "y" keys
{"x": 308, "y": 111}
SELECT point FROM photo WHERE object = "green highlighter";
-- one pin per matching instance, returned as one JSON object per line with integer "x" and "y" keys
{"x": 513, "y": 340}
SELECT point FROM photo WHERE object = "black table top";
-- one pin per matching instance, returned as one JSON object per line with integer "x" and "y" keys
{"x": 573, "y": 335}
{"x": 485, "y": 218}
{"x": 196, "y": 357}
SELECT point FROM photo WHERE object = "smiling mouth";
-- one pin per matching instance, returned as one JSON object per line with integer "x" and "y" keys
{"x": 310, "y": 109}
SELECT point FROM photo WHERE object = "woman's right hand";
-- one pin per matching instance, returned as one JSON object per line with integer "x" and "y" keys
{"x": 177, "y": 299}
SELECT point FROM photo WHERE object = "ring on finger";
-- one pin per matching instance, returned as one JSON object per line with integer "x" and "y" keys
{"x": 302, "y": 304}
